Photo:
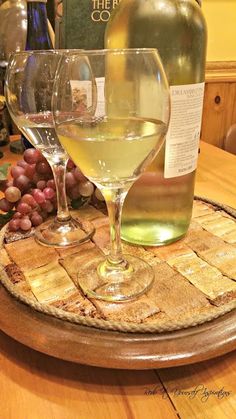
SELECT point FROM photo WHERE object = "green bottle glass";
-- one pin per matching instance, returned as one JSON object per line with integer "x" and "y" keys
{"x": 158, "y": 207}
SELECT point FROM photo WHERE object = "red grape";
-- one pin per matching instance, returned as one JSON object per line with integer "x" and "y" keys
{"x": 99, "y": 195}
{"x": 74, "y": 192}
{"x": 79, "y": 175}
{"x": 5, "y": 205}
{"x": 30, "y": 170}
{"x": 12, "y": 194}
{"x": 14, "y": 224}
{"x": 32, "y": 155}
{"x": 47, "y": 206}
{"x": 41, "y": 184}
{"x": 43, "y": 168}
{"x": 17, "y": 215}
{"x": 70, "y": 164}
{"x": 36, "y": 219}
{"x": 22, "y": 182}
{"x": 70, "y": 180}
{"x": 4, "y": 184}
{"x": 16, "y": 171}
{"x": 39, "y": 196}
{"x": 21, "y": 163}
{"x": 49, "y": 193}
{"x": 86, "y": 188}
{"x": 25, "y": 224}
{"x": 29, "y": 199}
{"x": 23, "y": 208}
{"x": 37, "y": 177}
{"x": 51, "y": 184}
{"x": 32, "y": 192}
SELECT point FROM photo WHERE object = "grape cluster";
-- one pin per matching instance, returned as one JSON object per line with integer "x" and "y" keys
{"x": 32, "y": 192}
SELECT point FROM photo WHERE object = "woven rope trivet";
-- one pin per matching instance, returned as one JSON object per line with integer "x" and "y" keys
{"x": 161, "y": 325}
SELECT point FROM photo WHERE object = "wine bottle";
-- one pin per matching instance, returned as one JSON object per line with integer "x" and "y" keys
{"x": 38, "y": 36}
{"x": 158, "y": 207}
{"x": 12, "y": 38}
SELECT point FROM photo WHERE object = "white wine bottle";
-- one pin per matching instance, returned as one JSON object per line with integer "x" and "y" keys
{"x": 158, "y": 207}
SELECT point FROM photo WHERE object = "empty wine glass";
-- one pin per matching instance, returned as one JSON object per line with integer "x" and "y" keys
{"x": 29, "y": 86}
{"x": 112, "y": 145}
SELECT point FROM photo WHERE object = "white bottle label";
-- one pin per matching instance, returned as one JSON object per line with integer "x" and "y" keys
{"x": 82, "y": 95}
{"x": 182, "y": 140}
{"x": 100, "y": 111}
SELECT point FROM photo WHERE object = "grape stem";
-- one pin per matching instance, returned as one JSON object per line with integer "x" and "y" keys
{"x": 59, "y": 173}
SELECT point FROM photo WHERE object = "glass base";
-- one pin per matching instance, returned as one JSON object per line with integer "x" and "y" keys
{"x": 57, "y": 233}
{"x": 102, "y": 280}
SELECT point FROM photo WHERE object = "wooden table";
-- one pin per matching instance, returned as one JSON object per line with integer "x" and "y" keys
{"x": 36, "y": 386}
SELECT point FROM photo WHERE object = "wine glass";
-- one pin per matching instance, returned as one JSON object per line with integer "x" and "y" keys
{"x": 112, "y": 146}
{"x": 29, "y": 86}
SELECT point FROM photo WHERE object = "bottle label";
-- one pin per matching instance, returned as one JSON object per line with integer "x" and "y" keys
{"x": 82, "y": 95}
{"x": 100, "y": 110}
{"x": 182, "y": 140}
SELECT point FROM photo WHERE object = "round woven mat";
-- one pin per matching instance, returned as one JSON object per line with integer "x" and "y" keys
{"x": 160, "y": 325}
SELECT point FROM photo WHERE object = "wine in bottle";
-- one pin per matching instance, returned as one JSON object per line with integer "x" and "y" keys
{"x": 158, "y": 207}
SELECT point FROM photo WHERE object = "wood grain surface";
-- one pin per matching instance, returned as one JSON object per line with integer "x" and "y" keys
{"x": 109, "y": 349}
{"x": 35, "y": 386}
{"x": 219, "y": 108}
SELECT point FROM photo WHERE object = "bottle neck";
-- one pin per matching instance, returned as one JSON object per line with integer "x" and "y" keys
{"x": 37, "y": 32}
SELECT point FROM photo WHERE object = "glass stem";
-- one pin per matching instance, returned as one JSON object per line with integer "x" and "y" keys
{"x": 59, "y": 173}
{"x": 114, "y": 200}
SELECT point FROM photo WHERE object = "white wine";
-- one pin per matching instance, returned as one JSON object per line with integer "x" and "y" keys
{"x": 112, "y": 152}
{"x": 40, "y": 132}
{"x": 157, "y": 211}
{"x": 45, "y": 140}
{"x": 158, "y": 207}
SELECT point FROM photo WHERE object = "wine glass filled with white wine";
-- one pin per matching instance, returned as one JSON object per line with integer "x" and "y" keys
{"x": 29, "y": 87}
{"x": 112, "y": 142}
